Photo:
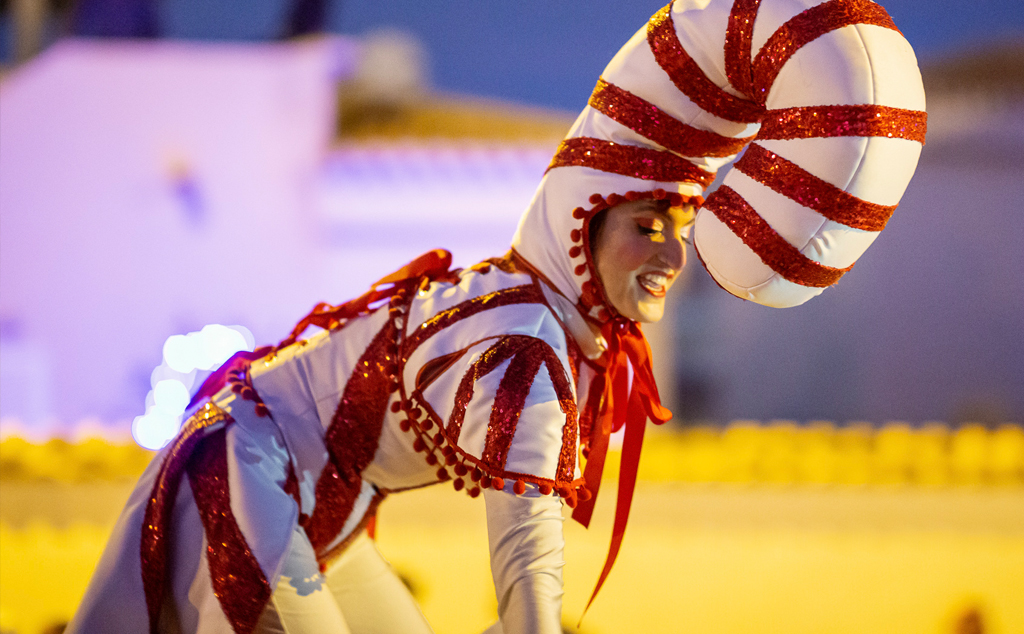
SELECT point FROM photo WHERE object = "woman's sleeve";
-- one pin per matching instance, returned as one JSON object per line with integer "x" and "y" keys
{"x": 527, "y": 556}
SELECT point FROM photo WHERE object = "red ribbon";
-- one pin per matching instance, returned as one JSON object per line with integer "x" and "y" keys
{"x": 433, "y": 265}
{"x": 612, "y": 404}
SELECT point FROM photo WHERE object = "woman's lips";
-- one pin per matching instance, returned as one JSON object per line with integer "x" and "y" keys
{"x": 654, "y": 283}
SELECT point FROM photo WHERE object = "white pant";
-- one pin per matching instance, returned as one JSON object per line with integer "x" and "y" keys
{"x": 359, "y": 594}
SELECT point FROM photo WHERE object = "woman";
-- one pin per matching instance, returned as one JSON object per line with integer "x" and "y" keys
{"x": 495, "y": 378}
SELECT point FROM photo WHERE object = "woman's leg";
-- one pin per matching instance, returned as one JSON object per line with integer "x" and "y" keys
{"x": 301, "y": 602}
{"x": 371, "y": 596}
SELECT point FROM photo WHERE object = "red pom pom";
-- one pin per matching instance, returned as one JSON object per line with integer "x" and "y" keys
{"x": 586, "y": 452}
{"x": 438, "y": 438}
{"x": 585, "y": 494}
{"x": 237, "y": 387}
{"x": 476, "y": 475}
{"x": 396, "y": 406}
{"x": 659, "y": 194}
{"x": 419, "y": 445}
{"x": 497, "y": 483}
{"x": 676, "y": 199}
{"x": 603, "y": 314}
{"x": 485, "y": 269}
{"x": 451, "y": 459}
{"x": 519, "y": 487}
{"x": 632, "y": 195}
{"x": 614, "y": 199}
{"x": 393, "y": 387}
{"x": 405, "y": 425}
{"x": 261, "y": 410}
{"x": 247, "y": 393}
{"x": 431, "y": 459}
{"x": 458, "y": 483}
{"x": 596, "y": 198}
{"x": 589, "y": 287}
{"x": 448, "y": 451}
{"x": 415, "y": 413}
{"x": 545, "y": 489}
{"x": 570, "y": 500}
{"x": 576, "y": 235}
{"x": 485, "y": 482}
{"x": 442, "y": 475}
{"x": 579, "y": 213}
{"x": 460, "y": 469}
{"x": 575, "y": 251}
{"x": 427, "y": 424}
{"x": 475, "y": 491}
{"x": 580, "y": 269}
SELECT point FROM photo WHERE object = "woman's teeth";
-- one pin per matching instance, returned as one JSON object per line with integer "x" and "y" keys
{"x": 653, "y": 283}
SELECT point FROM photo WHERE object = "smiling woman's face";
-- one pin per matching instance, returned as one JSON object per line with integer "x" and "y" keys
{"x": 639, "y": 249}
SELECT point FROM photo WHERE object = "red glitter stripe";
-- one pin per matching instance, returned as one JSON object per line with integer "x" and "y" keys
{"x": 792, "y": 181}
{"x": 237, "y": 579}
{"x": 854, "y": 120}
{"x": 688, "y": 76}
{"x": 781, "y": 256}
{"x": 652, "y": 122}
{"x": 738, "y": 37}
{"x": 628, "y": 160}
{"x": 509, "y": 401}
{"x": 352, "y": 438}
{"x": 807, "y": 27}
{"x": 567, "y": 402}
{"x": 525, "y": 294}
{"x": 502, "y": 351}
{"x": 155, "y": 540}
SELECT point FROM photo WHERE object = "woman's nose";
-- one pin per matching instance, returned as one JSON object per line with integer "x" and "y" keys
{"x": 673, "y": 253}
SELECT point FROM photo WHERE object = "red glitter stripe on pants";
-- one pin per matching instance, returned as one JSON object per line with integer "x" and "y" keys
{"x": 652, "y": 122}
{"x": 854, "y": 120}
{"x": 237, "y": 579}
{"x": 781, "y": 256}
{"x": 155, "y": 538}
{"x": 738, "y": 37}
{"x": 688, "y": 76}
{"x": 807, "y": 27}
{"x": 628, "y": 160}
{"x": 352, "y": 438}
{"x": 797, "y": 184}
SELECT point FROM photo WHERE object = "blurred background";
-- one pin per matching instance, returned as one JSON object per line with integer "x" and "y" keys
{"x": 183, "y": 179}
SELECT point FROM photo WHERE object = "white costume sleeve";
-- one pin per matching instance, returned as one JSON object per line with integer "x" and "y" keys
{"x": 526, "y": 544}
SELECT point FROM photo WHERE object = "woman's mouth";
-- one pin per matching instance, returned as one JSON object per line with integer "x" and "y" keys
{"x": 654, "y": 283}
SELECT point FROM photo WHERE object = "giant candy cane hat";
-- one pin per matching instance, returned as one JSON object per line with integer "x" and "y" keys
{"x": 825, "y": 97}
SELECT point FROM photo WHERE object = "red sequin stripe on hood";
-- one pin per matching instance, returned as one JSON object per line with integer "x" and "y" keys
{"x": 738, "y": 42}
{"x": 688, "y": 76}
{"x": 772, "y": 248}
{"x": 807, "y": 27}
{"x": 798, "y": 184}
{"x": 855, "y": 120}
{"x": 653, "y": 123}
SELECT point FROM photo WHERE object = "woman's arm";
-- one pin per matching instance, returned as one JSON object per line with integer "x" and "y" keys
{"x": 526, "y": 543}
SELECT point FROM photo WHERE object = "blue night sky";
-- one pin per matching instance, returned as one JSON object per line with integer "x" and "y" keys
{"x": 547, "y": 52}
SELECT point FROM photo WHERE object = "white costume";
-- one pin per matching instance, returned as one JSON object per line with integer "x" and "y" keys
{"x": 495, "y": 378}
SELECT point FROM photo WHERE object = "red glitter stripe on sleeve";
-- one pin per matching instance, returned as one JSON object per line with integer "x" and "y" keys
{"x": 797, "y": 184}
{"x": 502, "y": 351}
{"x": 738, "y": 37}
{"x": 236, "y": 576}
{"x": 508, "y": 403}
{"x": 807, "y": 27}
{"x": 525, "y": 294}
{"x": 688, "y": 76}
{"x": 628, "y": 160}
{"x": 567, "y": 401}
{"x": 853, "y": 120}
{"x": 781, "y": 256}
{"x": 652, "y": 122}
{"x": 352, "y": 438}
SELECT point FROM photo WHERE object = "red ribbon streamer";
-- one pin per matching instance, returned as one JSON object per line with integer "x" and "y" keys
{"x": 433, "y": 265}
{"x": 627, "y": 348}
